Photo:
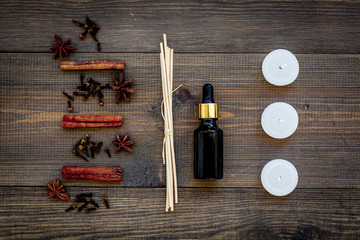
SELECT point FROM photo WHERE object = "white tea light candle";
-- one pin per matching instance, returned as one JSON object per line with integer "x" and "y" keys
{"x": 279, "y": 120}
{"x": 280, "y": 67}
{"x": 279, "y": 177}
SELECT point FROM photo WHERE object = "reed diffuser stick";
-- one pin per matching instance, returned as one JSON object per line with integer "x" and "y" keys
{"x": 166, "y": 61}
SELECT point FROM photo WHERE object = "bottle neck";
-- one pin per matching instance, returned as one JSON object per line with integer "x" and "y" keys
{"x": 208, "y": 121}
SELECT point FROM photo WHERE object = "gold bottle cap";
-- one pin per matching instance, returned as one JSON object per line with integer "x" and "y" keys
{"x": 208, "y": 110}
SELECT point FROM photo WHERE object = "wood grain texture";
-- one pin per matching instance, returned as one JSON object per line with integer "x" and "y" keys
{"x": 324, "y": 148}
{"x": 221, "y": 42}
{"x": 211, "y": 213}
{"x": 192, "y": 26}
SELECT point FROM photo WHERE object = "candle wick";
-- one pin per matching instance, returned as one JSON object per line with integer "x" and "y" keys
{"x": 283, "y": 66}
{"x": 279, "y": 178}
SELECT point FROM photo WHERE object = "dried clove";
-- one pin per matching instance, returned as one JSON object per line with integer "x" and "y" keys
{"x": 69, "y": 109}
{"x": 80, "y": 200}
{"x": 84, "y": 150}
{"x": 87, "y": 138}
{"x": 77, "y": 154}
{"x": 92, "y": 151}
{"x": 100, "y": 96}
{"x": 83, "y": 206}
{"x": 83, "y": 142}
{"x": 72, "y": 207}
{"x": 101, "y": 101}
{"x": 87, "y": 210}
{"x": 106, "y": 201}
{"x": 82, "y": 146}
{"x": 77, "y": 94}
{"x": 71, "y": 98}
{"x": 87, "y": 95}
{"x": 84, "y": 195}
{"x": 107, "y": 151}
{"x": 82, "y": 75}
{"x": 97, "y": 146}
{"x": 94, "y": 203}
{"x": 76, "y": 146}
{"x": 91, "y": 81}
{"x": 75, "y": 151}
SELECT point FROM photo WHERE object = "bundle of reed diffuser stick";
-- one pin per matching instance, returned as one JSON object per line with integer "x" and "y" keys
{"x": 168, "y": 154}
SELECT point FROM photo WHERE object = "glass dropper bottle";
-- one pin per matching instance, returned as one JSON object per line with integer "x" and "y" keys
{"x": 208, "y": 139}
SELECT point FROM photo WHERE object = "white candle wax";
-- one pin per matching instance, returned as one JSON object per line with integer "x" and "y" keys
{"x": 279, "y": 120}
{"x": 279, "y": 177}
{"x": 280, "y": 67}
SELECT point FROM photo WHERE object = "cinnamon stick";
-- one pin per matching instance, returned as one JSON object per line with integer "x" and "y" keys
{"x": 91, "y": 121}
{"x": 112, "y": 174}
{"x": 89, "y": 124}
{"x": 92, "y": 118}
{"x": 92, "y": 65}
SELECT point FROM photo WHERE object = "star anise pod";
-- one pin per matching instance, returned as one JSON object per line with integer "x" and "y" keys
{"x": 90, "y": 27}
{"x": 57, "y": 190}
{"x": 123, "y": 143}
{"x": 63, "y": 48}
{"x": 122, "y": 87}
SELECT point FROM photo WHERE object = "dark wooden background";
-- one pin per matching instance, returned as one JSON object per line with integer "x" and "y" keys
{"x": 221, "y": 42}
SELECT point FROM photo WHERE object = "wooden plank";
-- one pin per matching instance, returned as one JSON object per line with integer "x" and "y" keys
{"x": 201, "y": 213}
{"x": 192, "y": 26}
{"x": 324, "y": 149}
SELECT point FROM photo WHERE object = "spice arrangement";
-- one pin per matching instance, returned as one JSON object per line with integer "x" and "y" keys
{"x": 85, "y": 148}
{"x": 93, "y": 88}
{"x": 62, "y": 49}
{"x": 166, "y": 60}
{"x": 81, "y": 147}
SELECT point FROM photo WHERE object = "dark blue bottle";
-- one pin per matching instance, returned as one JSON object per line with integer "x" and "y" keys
{"x": 208, "y": 139}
